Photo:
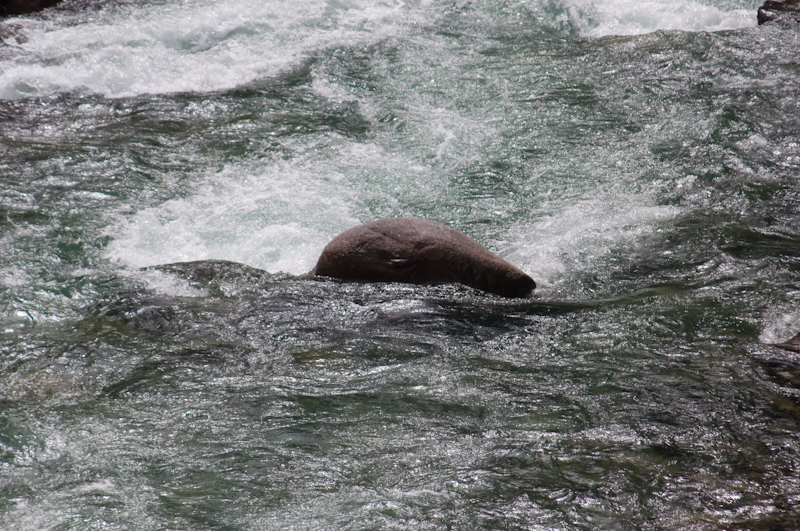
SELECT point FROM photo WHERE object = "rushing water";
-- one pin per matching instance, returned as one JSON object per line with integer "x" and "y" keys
{"x": 639, "y": 159}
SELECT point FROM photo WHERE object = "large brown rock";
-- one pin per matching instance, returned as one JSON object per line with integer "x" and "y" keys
{"x": 784, "y": 11}
{"x": 419, "y": 251}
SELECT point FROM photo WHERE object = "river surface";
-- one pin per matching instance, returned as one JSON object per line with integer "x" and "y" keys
{"x": 640, "y": 160}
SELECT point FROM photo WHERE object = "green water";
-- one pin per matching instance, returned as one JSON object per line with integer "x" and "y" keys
{"x": 647, "y": 182}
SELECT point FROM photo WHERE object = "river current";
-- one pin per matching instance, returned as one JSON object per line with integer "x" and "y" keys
{"x": 640, "y": 160}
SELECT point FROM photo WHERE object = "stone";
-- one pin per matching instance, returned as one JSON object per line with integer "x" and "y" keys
{"x": 12, "y": 31}
{"x": 419, "y": 251}
{"x": 782, "y": 11}
{"x": 792, "y": 344}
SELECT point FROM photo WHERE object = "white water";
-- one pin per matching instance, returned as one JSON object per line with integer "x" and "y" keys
{"x": 643, "y": 173}
{"x": 593, "y": 18}
{"x": 186, "y": 46}
{"x": 277, "y": 215}
{"x": 278, "y": 218}
{"x": 202, "y": 46}
{"x": 270, "y": 218}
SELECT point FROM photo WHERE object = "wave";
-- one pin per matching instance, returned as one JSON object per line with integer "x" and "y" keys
{"x": 593, "y": 18}
{"x": 201, "y": 46}
{"x": 191, "y": 46}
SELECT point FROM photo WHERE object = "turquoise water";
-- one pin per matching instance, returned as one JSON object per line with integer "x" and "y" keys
{"x": 639, "y": 160}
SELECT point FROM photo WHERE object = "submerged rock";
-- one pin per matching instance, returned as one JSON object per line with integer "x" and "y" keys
{"x": 204, "y": 272}
{"x": 21, "y": 7}
{"x": 791, "y": 344}
{"x": 786, "y": 11}
{"x": 419, "y": 251}
{"x": 12, "y": 31}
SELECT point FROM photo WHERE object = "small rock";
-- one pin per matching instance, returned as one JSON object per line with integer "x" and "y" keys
{"x": 792, "y": 344}
{"x": 12, "y": 31}
{"x": 783, "y": 11}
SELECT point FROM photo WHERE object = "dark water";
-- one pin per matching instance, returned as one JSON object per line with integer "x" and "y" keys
{"x": 640, "y": 161}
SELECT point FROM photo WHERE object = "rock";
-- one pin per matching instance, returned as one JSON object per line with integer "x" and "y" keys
{"x": 205, "y": 272}
{"x": 12, "y": 31}
{"x": 21, "y": 7}
{"x": 785, "y": 11}
{"x": 791, "y": 344}
{"x": 419, "y": 251}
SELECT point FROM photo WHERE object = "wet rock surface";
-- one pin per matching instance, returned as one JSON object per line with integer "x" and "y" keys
{"x": 781, "y": 11}
{"x": 419, "y": 251}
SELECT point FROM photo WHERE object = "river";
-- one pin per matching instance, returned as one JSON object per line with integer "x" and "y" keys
{"x": 640, "y": 160}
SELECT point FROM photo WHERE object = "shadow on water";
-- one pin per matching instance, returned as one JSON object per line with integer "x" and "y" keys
{"x": 241, "y": 292}
{"x": 782, "y": 369}
{"x": 206, "y": 314}
{"x": 217, "y": 315}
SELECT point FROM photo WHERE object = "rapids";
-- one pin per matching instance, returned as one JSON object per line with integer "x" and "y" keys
{"x": 639, "y": 160}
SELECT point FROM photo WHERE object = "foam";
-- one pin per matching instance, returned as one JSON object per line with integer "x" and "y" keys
{"x": 203, "y": 46}
{"x": 190, "y": 46}
{"x": 276, "y": 219}
{"x": 578, "y": 236}
{"x": 781, "y": 323}
{"x": 594, "y": 18}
